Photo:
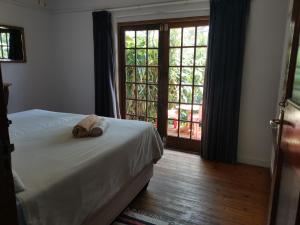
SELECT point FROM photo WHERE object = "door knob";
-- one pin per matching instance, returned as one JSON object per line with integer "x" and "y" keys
{"x": 276, "y": 122}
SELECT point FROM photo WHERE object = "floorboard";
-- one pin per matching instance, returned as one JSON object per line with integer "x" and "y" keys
{"x": 187, "y": 190}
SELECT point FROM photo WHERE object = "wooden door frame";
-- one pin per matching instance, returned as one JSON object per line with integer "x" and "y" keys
{"x": 162, "y": 116}
{"x": 8, "y": 212}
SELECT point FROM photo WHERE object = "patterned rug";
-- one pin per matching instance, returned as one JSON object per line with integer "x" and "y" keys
{"x": 130, "y": 217}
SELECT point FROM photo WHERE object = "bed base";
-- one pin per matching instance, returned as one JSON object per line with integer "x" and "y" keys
{"x": 107, "y": 214}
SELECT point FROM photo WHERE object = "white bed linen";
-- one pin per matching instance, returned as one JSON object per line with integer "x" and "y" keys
{"x": 67, "y": 179}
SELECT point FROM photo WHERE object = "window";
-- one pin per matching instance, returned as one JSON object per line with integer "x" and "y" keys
{"x": 162, "y": 67}
{"x": 4, "y": 44}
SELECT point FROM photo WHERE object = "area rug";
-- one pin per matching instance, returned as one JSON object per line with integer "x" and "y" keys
{"x": 133, "y": 217}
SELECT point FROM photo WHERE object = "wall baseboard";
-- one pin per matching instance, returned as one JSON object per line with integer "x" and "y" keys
{"x": 254, "y": 162}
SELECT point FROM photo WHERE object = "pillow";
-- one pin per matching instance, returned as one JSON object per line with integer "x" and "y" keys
{"x": 19, "y": 186}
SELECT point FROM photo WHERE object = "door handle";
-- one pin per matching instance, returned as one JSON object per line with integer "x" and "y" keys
{"x": 276, "y": 122}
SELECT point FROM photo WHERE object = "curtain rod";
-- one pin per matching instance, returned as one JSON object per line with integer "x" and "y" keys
{"x": 117, "y": 9}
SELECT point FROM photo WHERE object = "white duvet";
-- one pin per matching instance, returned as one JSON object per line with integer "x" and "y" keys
{"x": 67, "y": 179}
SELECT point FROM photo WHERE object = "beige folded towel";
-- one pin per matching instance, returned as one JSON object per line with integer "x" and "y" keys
{"x": 98, "y": 128}
{"x": 82, "y": 129}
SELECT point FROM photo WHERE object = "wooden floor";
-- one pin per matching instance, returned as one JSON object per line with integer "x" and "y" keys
{"x": 186, "y": 190}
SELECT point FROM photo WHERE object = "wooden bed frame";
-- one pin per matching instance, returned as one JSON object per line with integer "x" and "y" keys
{"x": 109, "y": 212}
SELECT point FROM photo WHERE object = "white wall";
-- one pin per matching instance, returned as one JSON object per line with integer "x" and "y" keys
{"x": 260, "y": 85}
{"x": 31, "y": 81}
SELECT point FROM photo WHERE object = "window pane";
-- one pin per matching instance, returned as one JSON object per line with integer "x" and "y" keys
{"x": 130, "y": 107}
{"x": 198, "y": 95}
{"x": 152, "y": 75}
{"x": 152, "y": 57}
{"x": 152, "y": 92}
{"x": 202, "y": 35}
{"x": 173, "y": 111}
{"x": 196, "y": 131}
{"x": 187, "y": 75}
{"x": 129, "y": 39}
{"x": 173, "y": 93}
{"x": 152, "y": 109}
{"x": 141, "y": 75}
{"x": 188, "y": 56}
{"x": 173, "y": 128}
{"x": 130, "y": 91}
{"x": 199, "y": 76}
{"x": 153, "y": 121}
{"x": 174, "y": 75}
{"x": 184, "y": 130}
{"x": 141, "y": 39}
{"x": 130, "y": 74}
{"x": 5, "y": 52}
{"x": 186, "y": 94}
{"x": 175, "y": 56}
{"x": 153, "y": 39}
{"x": 189, "y": 36}
{"x": 197, "y": 113}
{"x": 175, "y": 37}
{"x": 141, "y": 110}
{"x": 141, "y": 55}
{"x": 130, "y": 56}
{"x": 141, "y": 91}
{"x": 4, "y": 39}
{"x": 201, "y": 56}
{"x": 185, "y": 112}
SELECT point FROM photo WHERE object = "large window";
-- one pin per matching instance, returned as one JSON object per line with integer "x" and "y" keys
{"x": 162, "y": 67}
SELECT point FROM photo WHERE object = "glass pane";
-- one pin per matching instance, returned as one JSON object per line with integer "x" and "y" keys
{"x": 173, "y": 128}
{"x": 174, "y": 57}
{"x": 174, "y": 75}
{"x": 153, "y": 39}
{"x": 141, "y": 39}
{"x": 196, "y": 131}
{"x": 130, "y": 117}
{"x": 5, "y": 52}
{"x": 130, "y": 74}
{"x": 173, "y": 93}
{"x": 152, "y": 109}
{"x": 296, "y": 85}
{"x": 4, "y": 39}
{"x": 152, "y": 57}
{"x": 175, "y": 37}
{"x": 187, "y": 75}
{"x": 130, "y": 107}
{"x": 129, "y": 39}
{"x": 199, "y": 76}
{"x": 189, "y": 36}
{"x": 130, "y": 56}
{"x": 198, "y": 95}
{"x": 202, "y": 35}
{"x": 185, "y": 112}
{"x": 141, "y": 91}
{"x": 201, "y": 56}
{"x": 152, "y": 92}
{"x": 173, "y": 111}
{"x": 130, "y": 91}
{"x": 153, "y": 121}
{"x": 141, "y": 110}
{"x": 186, "y": 94}
{"x": 141, "y": 56}
{"x": 184, "y": 130}
{"x": 188, "y": 56}
{"x": 152, "y": 75}
{"x": 141, "y": 75}
{"x": 197, "y": 113}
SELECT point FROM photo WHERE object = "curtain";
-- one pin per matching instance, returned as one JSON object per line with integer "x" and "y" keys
{"x": 105, "y": 83}
{"x": 222, "y": 88}
{"x": 15, "y": 45}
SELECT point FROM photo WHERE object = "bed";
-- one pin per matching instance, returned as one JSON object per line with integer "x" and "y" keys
{"x": 72, "y": 181}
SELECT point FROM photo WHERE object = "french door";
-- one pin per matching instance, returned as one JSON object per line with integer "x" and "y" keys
{"x": 162, "y": 67}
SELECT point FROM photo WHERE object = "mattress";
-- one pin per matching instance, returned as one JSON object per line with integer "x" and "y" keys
{"x": 67, "y": 179}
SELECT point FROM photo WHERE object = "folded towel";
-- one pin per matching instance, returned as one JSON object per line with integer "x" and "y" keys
{"x": 83, "y": 128}
{"x": 98, "y": 128}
